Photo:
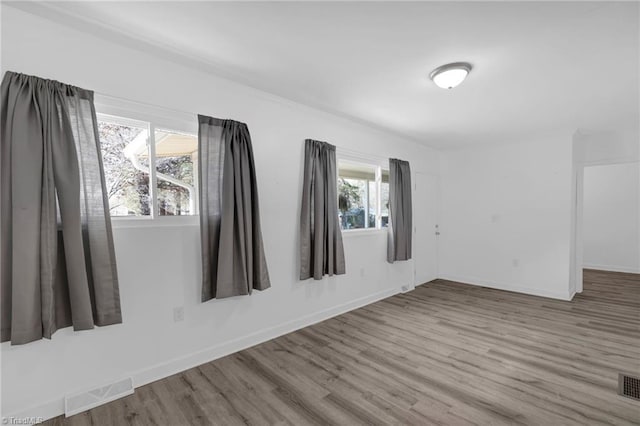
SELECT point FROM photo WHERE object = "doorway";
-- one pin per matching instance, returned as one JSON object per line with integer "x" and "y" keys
{"x": 611, "y": 217}
{"x": 425, "y": 222}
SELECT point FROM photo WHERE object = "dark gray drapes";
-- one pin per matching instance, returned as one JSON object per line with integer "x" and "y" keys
{"x": 58, "y": 262}
{"x": 400, "y": 213}
{"x": 321, "y": 251}
{"x": 233, "y": 260}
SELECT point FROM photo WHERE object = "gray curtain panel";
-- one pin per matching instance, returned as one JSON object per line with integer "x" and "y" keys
{"x": 400, "y": 211}
{"x": 233, "y": 260}
{"x": 58, "y": 262}
{"x": 321, "y": 250}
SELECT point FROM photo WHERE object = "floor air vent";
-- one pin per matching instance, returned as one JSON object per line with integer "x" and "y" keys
{"x": 82, "y": 401}
{"x": 629, "y": 386}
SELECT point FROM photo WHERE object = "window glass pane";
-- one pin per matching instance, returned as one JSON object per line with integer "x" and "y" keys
{"x": 356, "y": 196}
{"x": 384, "y": 199}
{"x": 176, "y": 159}
{"x": 125, "y": 158}
{"x": 373, "y": 203}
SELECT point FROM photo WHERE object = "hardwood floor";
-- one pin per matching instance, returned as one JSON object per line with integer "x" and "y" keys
{"x": 446, "y": 353}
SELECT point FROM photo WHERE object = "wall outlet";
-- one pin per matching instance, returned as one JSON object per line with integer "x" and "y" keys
{"x": 362, "y": 272}
{"x": 515, "y": 262}
{"x": 178, "y": 314}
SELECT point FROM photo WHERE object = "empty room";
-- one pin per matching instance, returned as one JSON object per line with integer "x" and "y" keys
{"x": 320, "y": 213}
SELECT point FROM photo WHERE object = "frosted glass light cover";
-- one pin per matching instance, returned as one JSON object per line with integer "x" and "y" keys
{"x": 450, "y": 78}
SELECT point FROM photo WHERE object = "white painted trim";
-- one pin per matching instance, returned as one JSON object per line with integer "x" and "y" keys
{"x": 142, "y": 377}
{"x": 68, "y": 412}
{"x": 577, "y": 231}
{"x": 429, "y": 279}
{"x": 177, "y": 365}
{"x": 407, "y": 288}
{"x": 500, "y": 286}
{"x": 42, "y": 412}
{"x": 362, "y": 232}
{"x": 360, "y": 158}
{"x": 140, "y": 114}
{"x": 612, "y": 268}
{"x": 438, "y": 202}
{"x": 118, "y": 222}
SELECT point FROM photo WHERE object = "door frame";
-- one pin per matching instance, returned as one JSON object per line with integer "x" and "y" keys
{"x": 592, "y": 149}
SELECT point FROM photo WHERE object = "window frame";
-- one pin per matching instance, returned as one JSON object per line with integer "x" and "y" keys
{"x": 153, "y": 118}
{"x": 379, "y": 165}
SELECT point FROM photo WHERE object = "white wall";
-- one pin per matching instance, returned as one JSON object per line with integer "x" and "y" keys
{"x": 611, "y": 235}
{"x": 607, "y": 147}
{"x": 149, "y": 344}
{"x": 505, "y": 220}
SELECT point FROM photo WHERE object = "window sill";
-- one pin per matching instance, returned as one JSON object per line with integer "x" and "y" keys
{"x": 159, "y": 222}
{"x": 363, "y": 232}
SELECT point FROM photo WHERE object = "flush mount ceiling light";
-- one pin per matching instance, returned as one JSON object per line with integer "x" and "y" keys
{"x": 450, "y": 75}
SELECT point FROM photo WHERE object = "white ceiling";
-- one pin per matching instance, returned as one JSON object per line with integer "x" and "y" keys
{"x": 538, "y": 66}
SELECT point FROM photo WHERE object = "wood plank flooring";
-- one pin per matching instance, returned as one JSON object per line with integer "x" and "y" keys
{"x": 444, "y": 354}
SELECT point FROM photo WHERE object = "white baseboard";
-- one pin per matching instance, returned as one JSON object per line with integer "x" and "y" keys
{"x": 407, "y": 288}
{"x": 39, "y": 413}
{"x": 426, "y": 280}
{"x": 55, "y": 407}
{"x": 177, "y": 365}
{"x": 612, "y": 268}
{"x": 500, "y": 286}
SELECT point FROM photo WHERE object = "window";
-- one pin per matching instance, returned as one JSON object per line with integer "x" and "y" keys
{"x": 363, "y": 195}
{"x": 126, "y": 172}
{"x": 384, "y": 199}
{"x": 148, "y": 173}
{"x": 176, "y": 157}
